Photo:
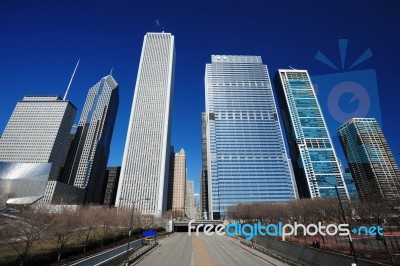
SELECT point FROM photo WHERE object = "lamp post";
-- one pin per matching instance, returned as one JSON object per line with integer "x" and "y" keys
{"x": 130, "y": 226}
{"x": 353, "y": 252}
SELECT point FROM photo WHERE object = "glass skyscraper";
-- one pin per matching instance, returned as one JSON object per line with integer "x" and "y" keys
{"x": 350, "y": 184}
{"x": 87, "y": 159}
{"x": 313, "y": 156}
{"x": 145, "y": 165}
{"x": 370, "y": 159}
{"x": 246, "y": 156}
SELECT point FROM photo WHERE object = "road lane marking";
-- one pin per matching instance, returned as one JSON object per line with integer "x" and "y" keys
{"x": 103, "y": 252}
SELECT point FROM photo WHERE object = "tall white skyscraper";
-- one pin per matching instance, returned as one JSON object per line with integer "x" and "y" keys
{"x": 145, "y": 165}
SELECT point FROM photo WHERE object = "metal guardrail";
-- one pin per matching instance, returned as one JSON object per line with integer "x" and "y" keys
{"x": 136, "y": 255}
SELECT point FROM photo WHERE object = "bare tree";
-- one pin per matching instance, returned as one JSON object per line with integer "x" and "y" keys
{"x": 5, "y": 228}
{"x": 86, "y": 218}
{"x": 63, "y": 224}
{"x": 106, "y": 219}
{"x": 32, "y": 224}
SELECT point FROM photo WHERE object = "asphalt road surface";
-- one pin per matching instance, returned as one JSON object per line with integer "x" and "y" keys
{"x": 182, "y": 249}
{"x": 104, "y": 256}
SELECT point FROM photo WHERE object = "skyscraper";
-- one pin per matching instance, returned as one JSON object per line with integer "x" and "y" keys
{"x": 370, "y": 159}
{"x": 110, "y": 190}
{"x": 350, "y": 184}
{"x": 32, "y": 147}
{"x": 246, "y": 157}
{"x": 313, "y": 156}
{"x": 203, "y": 173}
{"x": 190, "y": 211}
{"x": 145, "y": 165}
{"x": 197, "y": 206}
{"x": 88, "y": 155}
{"x": 37, "y": 131}
{"x": 177, "y": 182}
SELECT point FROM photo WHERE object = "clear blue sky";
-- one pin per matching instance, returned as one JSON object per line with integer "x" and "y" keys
{"x": 42, "y": 40}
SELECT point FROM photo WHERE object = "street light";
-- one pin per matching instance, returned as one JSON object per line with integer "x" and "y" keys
{"x": 130, "y": 226}
{"x": 353, "y": 252}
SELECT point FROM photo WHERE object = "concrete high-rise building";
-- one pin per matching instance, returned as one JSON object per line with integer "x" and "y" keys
{"x": 370, "y": 159}
{"x": 313, "y": 156}
{"x": 203, "y": 174}
{"x": 37, "y": 131}
{"x": 177, "y": 182}
{"x": 189, "y": 200}
{"x": 197, "y": 206}
{"x": 32, "y": 147}
{"x": 88, "y": 155}
{"x": 246, "y": 156}
{"x": 145, "y": 165}
{"x": 110, "y": 190}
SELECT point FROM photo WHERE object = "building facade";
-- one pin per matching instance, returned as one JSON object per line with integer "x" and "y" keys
{"x": 65, "y": 153}
{"x": 190, "y": 211}
{"x": 145, "y": 166}
{"x": 370, "y": 160}
{"x": 32, "y": 147}
{"x": 23, "y": 183}
{"x": 313, "y": 156}
{"x": 177, "y": 182}
{"x": 197, "y": 206}
{"x": 350, "y": 184}
{"x": 203, "y": 174}
{"x": 110, "y": 190}
{"x": 88, "y": 155}
{"x": 246, "y": 156}
{"x": 38, "y": 131}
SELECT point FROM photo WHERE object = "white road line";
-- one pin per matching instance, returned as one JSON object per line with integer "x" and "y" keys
{"x": 106, "y": 251}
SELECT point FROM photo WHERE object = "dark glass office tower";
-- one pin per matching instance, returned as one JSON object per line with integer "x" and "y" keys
{"x": 88, "y": 155}
{"x": 370, "y": 159}
{"x": 203, "y": 173}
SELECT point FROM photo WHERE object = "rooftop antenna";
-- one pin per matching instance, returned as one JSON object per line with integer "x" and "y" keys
{"x": 292, "y": 68}
{"x": 159, "y": 25}
{"x": 70, "y": 81}
{"x": 111, "y": 71}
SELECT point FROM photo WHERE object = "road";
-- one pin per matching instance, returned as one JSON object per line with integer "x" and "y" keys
{"x": 106, "y": 255}
{"x": 181, "y": 249}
